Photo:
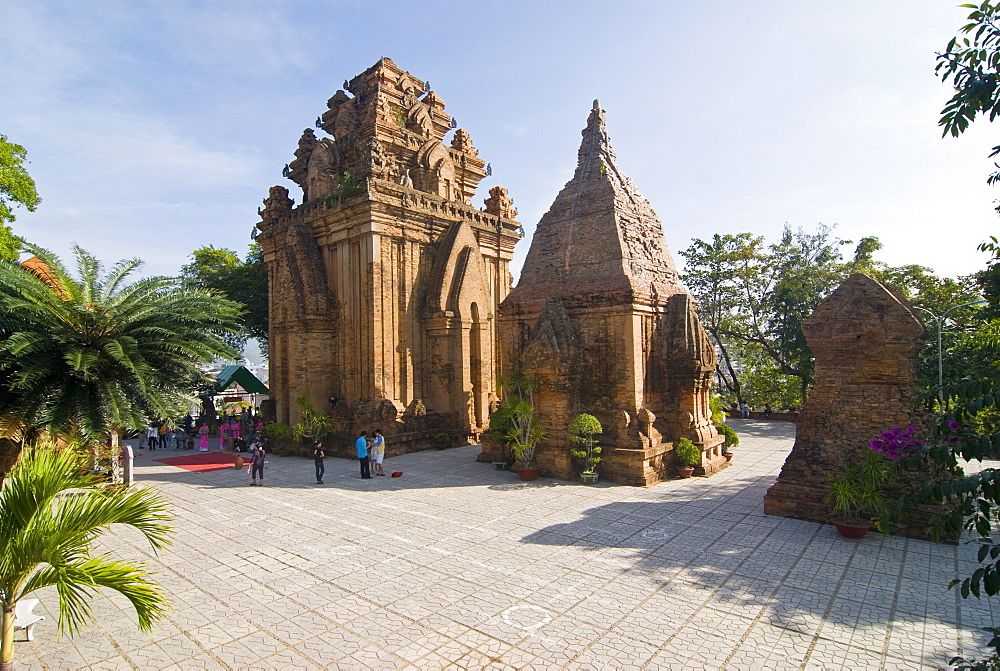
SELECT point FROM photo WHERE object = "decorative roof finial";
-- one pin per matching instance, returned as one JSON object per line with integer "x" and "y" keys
{"x": 597, "y": 104}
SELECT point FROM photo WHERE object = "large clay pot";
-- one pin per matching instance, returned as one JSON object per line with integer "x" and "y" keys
{"x": 589, "y": 478}
{"x": 527, "y": 474}
{"x": 851, "y": 530}
{"x": 239, "y": 462}
{"x": 685, "y": 472}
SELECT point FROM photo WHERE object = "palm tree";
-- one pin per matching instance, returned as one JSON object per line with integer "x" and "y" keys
{"x": 96, "y": 354}
{"x": 51, "y": 512}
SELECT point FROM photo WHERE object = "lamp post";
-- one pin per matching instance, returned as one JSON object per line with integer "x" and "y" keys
{"x": 940, "y": 322}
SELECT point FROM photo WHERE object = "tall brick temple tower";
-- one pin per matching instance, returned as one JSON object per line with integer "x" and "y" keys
{"x": 385, "y": 280}
{"x": 601, "y": 320}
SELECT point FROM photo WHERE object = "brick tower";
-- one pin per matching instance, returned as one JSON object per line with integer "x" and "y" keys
{"x": 601, "y": 320}
{"x": 385, "y": 280}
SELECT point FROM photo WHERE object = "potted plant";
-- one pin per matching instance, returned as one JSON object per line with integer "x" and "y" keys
{"x": 517, "y": 413}
{"x": 856, "y": 494}
{"x": 312, "y": 423}
{"x": 276, "y": 436}
{"x": 688, "y": 456}
{"x": 441, "y": 440}
{"x": 582, "y": 430}
{"x": 731, "y": 440}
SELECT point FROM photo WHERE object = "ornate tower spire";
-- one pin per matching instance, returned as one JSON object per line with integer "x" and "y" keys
{"x": 600, "y": 231}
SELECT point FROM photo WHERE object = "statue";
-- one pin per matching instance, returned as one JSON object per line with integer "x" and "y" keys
{"x": 405, "y": 179}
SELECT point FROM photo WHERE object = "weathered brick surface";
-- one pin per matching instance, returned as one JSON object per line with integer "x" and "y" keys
{"x": 865, "y": 338}
{"x": 384, "y": 280}
{"x": 601, "y": 320}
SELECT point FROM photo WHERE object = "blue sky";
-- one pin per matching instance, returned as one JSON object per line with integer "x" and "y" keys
{"x": 154, "y": 128}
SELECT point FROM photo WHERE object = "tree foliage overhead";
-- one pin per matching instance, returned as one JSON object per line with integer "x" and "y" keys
{"x": 968, "y": 426}
{"x": 95, "y": 353}
{"x": 16, "y": 188}
{"x": 241, "y": 281}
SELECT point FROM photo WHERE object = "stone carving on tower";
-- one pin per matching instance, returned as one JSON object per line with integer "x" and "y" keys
{"x": 384, "y": 280}
{"x": 602, "y": 321}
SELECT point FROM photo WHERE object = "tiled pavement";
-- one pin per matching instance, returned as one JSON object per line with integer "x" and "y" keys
{"x": 456, "y": 565}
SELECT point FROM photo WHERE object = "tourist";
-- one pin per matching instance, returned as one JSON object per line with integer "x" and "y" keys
{"x": 744, "y": 410}
{"x": 203, "y": 441}
{"x": 162, "y": 434}
{"x": 361, "y": 444}
{"x": 378, "y": 451}
{"x": 180, "y": 438}
{"x": 767, "y": 411}
{"x": 318, "y": 455}
{"x": 151, "y": 435}
{"x": 257, "y": 464}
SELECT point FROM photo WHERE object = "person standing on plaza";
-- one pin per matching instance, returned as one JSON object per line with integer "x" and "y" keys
{"x": 257, "y": 464}
{"x": 203, "y": 441}
{"x": 378, "y": 451}
{"x": 162, "y": 434}
{"x": 744, "y": 410}
{"x": 237, "y": 433}
{"x": 151, "y": 435}
{"x": 180, "y": 438}
{"x": 318, "y": 455}
{"x": 222, "y": 436}
{"x": 361, "y": 445}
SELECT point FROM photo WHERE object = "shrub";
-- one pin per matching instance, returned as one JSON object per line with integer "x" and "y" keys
{"x": 732, "y": 440}
{"x": 688, "y": 454}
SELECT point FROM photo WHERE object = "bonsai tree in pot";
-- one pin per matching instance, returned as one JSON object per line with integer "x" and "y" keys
{"x": 582, "y": 430}
{"x": 517, "y": 414}
{"x": 856, "y": 494}
{"x": 688, "y": 456}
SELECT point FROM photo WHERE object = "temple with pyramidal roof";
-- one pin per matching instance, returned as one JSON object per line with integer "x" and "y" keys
{"x": 600, "y": 319}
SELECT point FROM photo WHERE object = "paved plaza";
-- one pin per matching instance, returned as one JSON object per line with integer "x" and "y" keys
{"x": 455, "y": 565}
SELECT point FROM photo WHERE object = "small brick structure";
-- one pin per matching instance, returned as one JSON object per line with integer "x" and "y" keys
{"x": 601, "y": 320}
{"x": 865, "y": 338}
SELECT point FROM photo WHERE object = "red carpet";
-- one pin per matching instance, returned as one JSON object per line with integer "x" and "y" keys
{"x": 201, "y": 461}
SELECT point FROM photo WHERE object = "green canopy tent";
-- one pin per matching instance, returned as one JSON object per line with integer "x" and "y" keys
{"x": 233, "y": 374}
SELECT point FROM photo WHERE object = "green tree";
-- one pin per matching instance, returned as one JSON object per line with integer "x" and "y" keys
{"x": 16, "y": 188}
{"x": 51, "y": 514}
{"x": 241, "y": 281}
{"x": 94, "y": 355}
{"x": 754, "y": 297}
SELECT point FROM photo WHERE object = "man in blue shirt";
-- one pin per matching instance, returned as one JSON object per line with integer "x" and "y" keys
{"x": 362, "y": 446}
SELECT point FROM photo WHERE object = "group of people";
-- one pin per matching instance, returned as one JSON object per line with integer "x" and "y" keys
{"x": 745, "y": 410}
{"x": 235, "y": 431}
{"x": 160, "y": 434}
{"x": 232, "y": 434}
{"x": 371, "y": 452}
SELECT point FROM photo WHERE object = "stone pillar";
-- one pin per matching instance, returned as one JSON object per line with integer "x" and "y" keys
{"x": 865, "y": 338}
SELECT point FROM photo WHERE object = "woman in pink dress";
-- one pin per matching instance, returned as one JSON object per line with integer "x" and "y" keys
{"x": 223, "y": 429}
{"x": 203, "y": 441}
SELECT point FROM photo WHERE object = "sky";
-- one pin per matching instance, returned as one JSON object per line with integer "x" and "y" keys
{"x": 155, "y": 128}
